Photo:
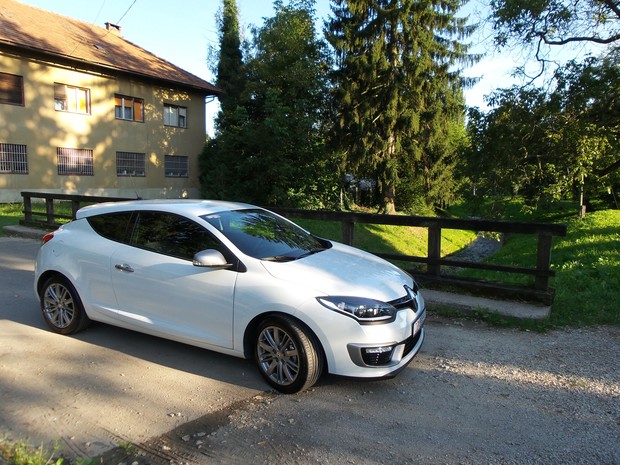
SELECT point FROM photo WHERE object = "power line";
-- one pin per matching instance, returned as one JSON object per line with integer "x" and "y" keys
{"x": 130, "y": 6}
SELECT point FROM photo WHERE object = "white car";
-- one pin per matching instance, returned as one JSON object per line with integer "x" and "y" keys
{"x": 236, "y": 279}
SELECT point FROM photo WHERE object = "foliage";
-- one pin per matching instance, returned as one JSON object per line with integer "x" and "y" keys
{"x": 271, "y": 151}
{"x": 19, "y": 453}
{"x": 230, "y": 76}
{"x": 396, "y": 89}
{"x": 546, "y": 146}
{"x": 542, "y": 24}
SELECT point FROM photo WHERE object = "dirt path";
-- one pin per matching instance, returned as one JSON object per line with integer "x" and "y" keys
{"x": 475, "y": 395}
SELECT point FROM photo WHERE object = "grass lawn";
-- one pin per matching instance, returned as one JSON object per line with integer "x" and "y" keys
{"x": 10, "y": 214}
{"x": 586, "y": 262}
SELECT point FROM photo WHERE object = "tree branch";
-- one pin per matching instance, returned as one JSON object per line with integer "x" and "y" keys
{"x": 610, "y": 169}
{"x": 596, "y": 40}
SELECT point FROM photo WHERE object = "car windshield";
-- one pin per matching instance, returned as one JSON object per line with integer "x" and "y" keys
{"x": 264, "y": 235}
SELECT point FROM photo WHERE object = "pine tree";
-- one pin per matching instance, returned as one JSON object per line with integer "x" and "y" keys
{"x": 230, "y": 76}
{"x": 221, "y": 155}
{"x": 395, "y": 77}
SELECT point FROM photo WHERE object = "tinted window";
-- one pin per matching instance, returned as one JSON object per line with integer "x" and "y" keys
{"x": 171, "y": 234}
{"x": 262, "y": 234}
{"x": 113, "y": 226}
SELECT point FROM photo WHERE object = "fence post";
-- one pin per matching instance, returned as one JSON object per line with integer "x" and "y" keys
{"x": 543, "y": 260}
{"x": 434, "y": 250}
{"x": 27, "y": 208}
{"x": 49, "y": 210}
{"x": 75, "y": 206}
{"x": 348, "y": 228}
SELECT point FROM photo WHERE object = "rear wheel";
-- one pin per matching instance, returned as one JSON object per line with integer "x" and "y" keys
{"x": 61, "y": 306}
{"x": 288, "y": 357}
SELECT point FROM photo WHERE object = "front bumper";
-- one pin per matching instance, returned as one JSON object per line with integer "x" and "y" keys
{"x": 393, "y": 354}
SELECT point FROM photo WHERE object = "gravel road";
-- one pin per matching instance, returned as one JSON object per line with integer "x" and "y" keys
{"x": 474, "y": 395}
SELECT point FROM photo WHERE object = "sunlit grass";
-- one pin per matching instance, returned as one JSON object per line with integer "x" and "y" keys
{"x": 10, "y": 214}
{"x": 587, "y": 266}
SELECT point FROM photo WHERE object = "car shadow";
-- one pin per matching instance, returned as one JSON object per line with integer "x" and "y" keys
{"x": 174, "y": 355}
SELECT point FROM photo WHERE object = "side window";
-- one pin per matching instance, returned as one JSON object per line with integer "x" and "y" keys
{"x": 128, "y": 108}
{"x": 72, "y": 99}
{"x": 113, "y": 226}
{"x": 175, "y": 116}
{"x": 173, "y": 235}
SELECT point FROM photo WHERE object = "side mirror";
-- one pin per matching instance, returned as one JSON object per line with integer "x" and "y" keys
{"x": 210, "y": 258}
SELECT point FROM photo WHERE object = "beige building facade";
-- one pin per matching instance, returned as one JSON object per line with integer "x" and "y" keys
{"x": 84, "y": 112}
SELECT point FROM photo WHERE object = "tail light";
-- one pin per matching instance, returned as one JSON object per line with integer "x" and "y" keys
{"x": 48, "y": 237}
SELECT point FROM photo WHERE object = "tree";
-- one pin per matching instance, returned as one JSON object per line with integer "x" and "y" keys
{"x": 219, "y": 156}
{"x": 541, "y": 24}
{"x": 395, "y": 63}
{"x": 230, "y": 74}
{"x": 543, "y": 145}
{"x": 272, "y": 151}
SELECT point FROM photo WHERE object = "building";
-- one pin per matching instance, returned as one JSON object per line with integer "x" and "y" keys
{"x": 83, "y": 111}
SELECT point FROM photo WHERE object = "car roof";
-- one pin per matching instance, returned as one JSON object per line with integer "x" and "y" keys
{"x": 187, "y": 207}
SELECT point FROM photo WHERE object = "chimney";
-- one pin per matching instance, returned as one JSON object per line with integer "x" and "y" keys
{"x": 113, "y": 28}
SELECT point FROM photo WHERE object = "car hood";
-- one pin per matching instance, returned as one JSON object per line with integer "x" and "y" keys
{"x": 344, "y": 270}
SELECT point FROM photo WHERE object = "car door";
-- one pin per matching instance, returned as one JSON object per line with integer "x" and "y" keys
{"x": 160, "y": 291}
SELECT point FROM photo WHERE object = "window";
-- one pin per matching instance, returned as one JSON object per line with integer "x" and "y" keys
{"x": 75, "y": 161}
{"x": 13, "y": 159}
{"x": 130, "y": 164}
{"x": 113, "y": 226}
{"x": 175, "y": 116}
{"x": 71, "y": 99}
{"x": 173, "y": 235}
{"x": 128, "y": 108}
{"x": 11, "y": 89}
{"x": 176, "y": 166}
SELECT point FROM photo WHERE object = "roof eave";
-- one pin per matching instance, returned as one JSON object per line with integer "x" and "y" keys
{"x": 208, "y": 90}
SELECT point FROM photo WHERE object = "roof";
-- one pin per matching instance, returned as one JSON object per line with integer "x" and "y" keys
{"x": 30, "y": 28}
{"x": 183, "y": 206}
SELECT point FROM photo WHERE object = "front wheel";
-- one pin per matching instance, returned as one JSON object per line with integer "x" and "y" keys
{"x": 61, "y": 306}
{"x": 288, "y": 357}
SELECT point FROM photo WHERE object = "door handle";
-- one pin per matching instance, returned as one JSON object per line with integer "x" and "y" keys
{"x": 124, "y": 267}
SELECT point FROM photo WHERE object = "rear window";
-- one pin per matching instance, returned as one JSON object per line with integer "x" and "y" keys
{"x": 113, "y": 226}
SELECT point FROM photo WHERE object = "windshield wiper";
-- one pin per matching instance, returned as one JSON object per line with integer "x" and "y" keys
{"x": 279, "y": 258}
{"x": 311, "y": 252}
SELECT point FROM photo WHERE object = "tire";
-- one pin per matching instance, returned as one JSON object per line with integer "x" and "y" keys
{"x": 288, "y": 357}
{"x": 62, "y": 307}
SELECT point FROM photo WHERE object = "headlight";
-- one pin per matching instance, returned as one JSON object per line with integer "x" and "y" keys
{"x": 364, "y": 310}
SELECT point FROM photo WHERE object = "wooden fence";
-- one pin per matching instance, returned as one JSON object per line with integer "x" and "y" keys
{"x": 50, "y": 217}
{"x": 431, "y": 274}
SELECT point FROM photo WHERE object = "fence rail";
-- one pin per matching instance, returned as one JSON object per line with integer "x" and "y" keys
{"x": 432, "y": 275}
{"x": 50, "y": 217}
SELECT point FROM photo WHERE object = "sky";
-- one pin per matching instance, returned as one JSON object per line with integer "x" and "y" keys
{"x": 182, "y": 31}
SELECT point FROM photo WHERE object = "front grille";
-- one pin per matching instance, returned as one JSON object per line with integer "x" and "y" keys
{"x": 404, "y": 302}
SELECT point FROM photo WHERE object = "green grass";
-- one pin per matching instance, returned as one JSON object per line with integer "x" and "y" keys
{"x": 19, "y": 453}
{"x": 586, "y": 262}
{"x": 10, "y": 214}
{"x": 404, "y": 240}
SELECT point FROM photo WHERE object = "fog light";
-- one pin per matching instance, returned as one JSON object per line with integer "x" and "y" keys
{"x": 377, "y": 356}
{"x": 378, "y": 350}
